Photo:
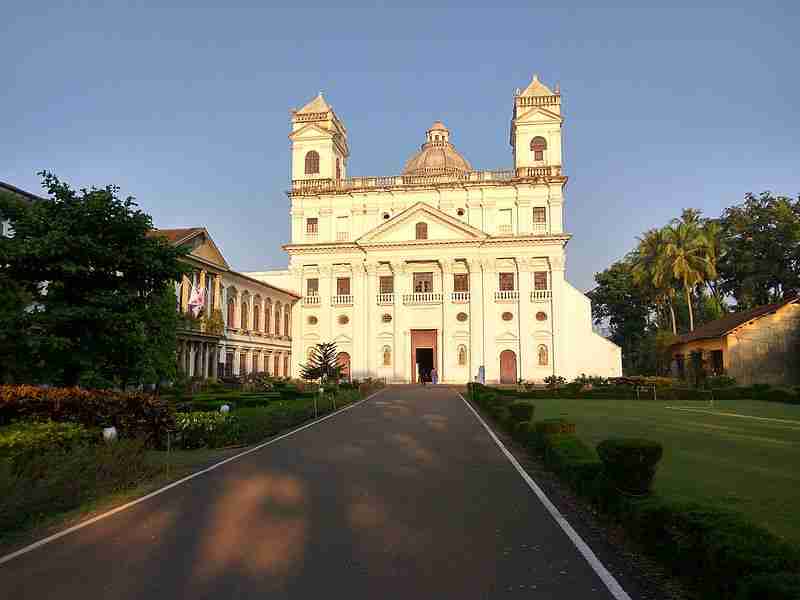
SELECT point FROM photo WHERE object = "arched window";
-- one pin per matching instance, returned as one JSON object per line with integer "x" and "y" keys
{"x": 387, "y": 356}
{"x": 462, "y": 355}
{"x": 312, "y": 162}
{"x": 538, "y": 146}
{"x": 422, "y": 231}
{"x": 245, "y": 309}
{"x": 268, "y": 317}
{"x": 232, "y": 313}
{"x": 256, "y": 317}
{"x": 277, "y": 319}
{"x": 542, "y": 354}
{"x": 286, "y": 321}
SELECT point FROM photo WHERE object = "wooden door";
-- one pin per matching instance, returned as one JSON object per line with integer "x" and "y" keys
{"x": 508, "y": 367}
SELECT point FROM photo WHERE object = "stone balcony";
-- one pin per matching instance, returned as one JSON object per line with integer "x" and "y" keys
{"x": 312, "y": 300}
{"x": 434, "y": 176}
{"x": 506, "y": 295}
{"x": 342, "y": 300}
{"x": 385, "y": 298}
{"x": 459, "y": 297}
{"x": 541, "y": 295}
{"x": 423, "y": 298}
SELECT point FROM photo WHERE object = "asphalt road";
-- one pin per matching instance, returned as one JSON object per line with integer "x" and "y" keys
{"x": 403, "y": 496}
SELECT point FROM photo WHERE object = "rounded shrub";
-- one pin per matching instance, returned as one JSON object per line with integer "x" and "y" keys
{"x": 521, "y": 411}
{"x": 630, "y": 463}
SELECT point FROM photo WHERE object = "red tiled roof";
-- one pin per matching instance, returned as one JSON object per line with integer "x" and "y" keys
{"x": 730, "y": 322}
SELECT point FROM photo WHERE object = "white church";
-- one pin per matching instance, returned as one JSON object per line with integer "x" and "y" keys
{"x": 443, "y": 266}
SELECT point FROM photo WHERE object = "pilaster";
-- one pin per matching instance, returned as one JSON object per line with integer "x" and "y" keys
{"x": 401, "y": 339}
{"x": 370, "y": 323}
{"x": 489, "y": 356}
{"x": 525, "y": 323}
{"x": 475, "y": 316}
{"x": 559, "y": 353}
{"x": 185, "y": 289}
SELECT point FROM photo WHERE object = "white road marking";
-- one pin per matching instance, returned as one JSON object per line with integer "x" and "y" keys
{"x": 727, "y": 414}
{"x": 113, "y": 511}
{"x": 605, "y": 576}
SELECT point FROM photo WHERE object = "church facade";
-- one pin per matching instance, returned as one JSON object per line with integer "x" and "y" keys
{"x": 443, "y": 266}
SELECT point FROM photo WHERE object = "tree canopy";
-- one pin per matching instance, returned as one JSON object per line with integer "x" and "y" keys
{"x": 94, "y": 296}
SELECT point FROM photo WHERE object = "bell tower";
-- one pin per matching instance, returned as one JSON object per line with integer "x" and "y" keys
{"x": 319, "y": 142}
{"x": 536, "y": 127}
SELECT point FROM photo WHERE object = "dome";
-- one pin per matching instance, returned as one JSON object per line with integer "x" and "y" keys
{"x": 437, "y": 155}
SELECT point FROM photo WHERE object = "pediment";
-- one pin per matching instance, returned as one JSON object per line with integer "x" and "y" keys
{"x": 309, "y": 131}
{"x": 202, "y": 247}
{"x": 539, "y": 114}
{"x": 402, "y": 228}
{"x": 343, "y": 339}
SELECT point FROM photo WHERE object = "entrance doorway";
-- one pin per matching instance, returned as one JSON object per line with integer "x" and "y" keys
{"x": 423, "y": 353}
{"x": 342, "y": 361}
{"x": 508, "y": 367}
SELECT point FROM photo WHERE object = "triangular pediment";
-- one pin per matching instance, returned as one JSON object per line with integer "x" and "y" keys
{"x": 309, "y": 131}
{"x": 506, "y": 336}
{"x": 204, "y": 248}
{"x": 402, "y": 228}
{"x": 317, "y": 105}
{"x": 539, "y": 114}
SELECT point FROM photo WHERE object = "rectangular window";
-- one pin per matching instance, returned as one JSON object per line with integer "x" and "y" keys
{"x": 460, "y": 282}
{"x": 538, "y": 155}
{"x": 540, "y": 280}
{"x": 423, "y": 282}
{"x": 506, "y": 282}
{"x": 312, "y": 225}
{"x": 342, "y": 286}
{"x": 716, "y": 362}
{"x": 342, "y": 229}
{"x": 539, "y": 214}
{"x": 505, "y": 221}
{"x": 387, "y": 284}
{"x": 312, "y": 287}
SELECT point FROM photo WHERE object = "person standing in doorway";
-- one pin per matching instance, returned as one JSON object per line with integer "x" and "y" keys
{"x": 434, "y": 376}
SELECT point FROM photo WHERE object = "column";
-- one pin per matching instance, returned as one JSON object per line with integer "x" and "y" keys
{"x": 185, "y": 288}
{"x": 559, "y": 350}
{"x": 358, "y": 284}
{"x": 524, "y": 217}
{"x": 401, "y": 370}
{"x": 192, "y": 352}
{"x": 475, "y": 319}
{"x": 491, "y": 361}
{"x": 444, "y": 344}
{"x": 217, "y": 295}
{"x": 525, "y": 322}
{"x": 370, "y": 323}
{"x": 202, "y": 284}
{"x": 298, "y": 318}
{"x": 326, "y": 313}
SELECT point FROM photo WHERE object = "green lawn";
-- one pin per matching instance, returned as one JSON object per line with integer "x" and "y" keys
{"x": 744, "y": 464}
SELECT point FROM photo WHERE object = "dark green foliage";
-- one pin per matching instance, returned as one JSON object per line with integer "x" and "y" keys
{"x": 630, "y": 463}
{"x": 774, "y": 586}
{"x": 206, "y": 430}
{"x": 107, "y": 314}
{"x": 60, "y": 479}
{"x": 521, "y": 411}
{"x": 22, "y": 441}
{"x": 321, "y": 364}
{"x": 552, "y": 426}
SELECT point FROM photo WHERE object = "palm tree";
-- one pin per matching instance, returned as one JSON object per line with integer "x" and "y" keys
{"x": 689, "y": 258}
{"x": 651, "y": 271}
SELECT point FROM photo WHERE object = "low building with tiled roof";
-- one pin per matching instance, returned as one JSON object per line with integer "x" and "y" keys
{"x": 759, "y": 345}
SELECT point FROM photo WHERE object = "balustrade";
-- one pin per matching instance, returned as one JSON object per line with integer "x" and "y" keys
{"x": 541, "y": 295}
{"x": 539, "y": 228}
{"x": 341, "y": 299}
{"x": 506, "y": 295}
{"x": 459, "y": 296}
{"x": 386, "y": 298}
{"x": 423, "y": 298}
{"x": 312, "y": 300}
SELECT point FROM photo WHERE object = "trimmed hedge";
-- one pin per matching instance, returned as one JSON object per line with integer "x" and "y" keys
{"x": 134, "y": 415}
{"x": 22, "y": 441}
{"x": 721, "y": 554}
{"x": 630, "y": 463}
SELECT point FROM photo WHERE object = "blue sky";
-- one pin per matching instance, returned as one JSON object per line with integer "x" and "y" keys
{"x": 186, "y": 105}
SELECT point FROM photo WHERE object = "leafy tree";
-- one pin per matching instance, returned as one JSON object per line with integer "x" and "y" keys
{"x": 651, "y": 273}
{"x": 99, "y": 287}
{"x": 761, "y": 263}
{"x": 322, "y": 363}
{"x": 688, "y": 256}
{"x": 618, "y": 300}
